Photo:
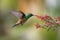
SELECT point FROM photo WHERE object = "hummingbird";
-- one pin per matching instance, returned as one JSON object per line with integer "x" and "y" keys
{"x": 22, "y": 17}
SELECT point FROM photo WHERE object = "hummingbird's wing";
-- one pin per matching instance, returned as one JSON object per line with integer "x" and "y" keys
{"x": 18, "y": 14}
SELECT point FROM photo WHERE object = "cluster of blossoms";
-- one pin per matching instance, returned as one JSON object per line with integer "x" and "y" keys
{"x": 48, "y": 22}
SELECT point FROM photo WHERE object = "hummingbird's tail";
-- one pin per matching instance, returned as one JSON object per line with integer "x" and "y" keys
{"x": 14, "y": 25}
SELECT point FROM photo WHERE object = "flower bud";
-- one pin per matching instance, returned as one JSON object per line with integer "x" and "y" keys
{"x": 40, "y": 17}
{"x": 58, "y": 22}
{"x": 46, "y": 17}
{"x": 37, "y": 25}
{"x": 57, "y": 18}
{"x": 47, "y": 23}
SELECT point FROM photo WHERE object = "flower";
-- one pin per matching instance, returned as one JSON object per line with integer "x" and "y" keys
{"x": 46, "y": 17}
{"x": 57, "y": 18}
{"x": 37, "y": 25}
{"x": 47, "y": 23}
{"x": 58, "y": 22}
{"x": 40, "y": 17}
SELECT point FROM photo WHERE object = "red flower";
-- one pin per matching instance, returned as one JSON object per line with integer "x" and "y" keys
{"x": 58, "y": 22}
{"x": 37, "y": 26}
{"x": 46, "y": 16}
{"x": 41, "y": 18}
{"x": 57, "y": 18}
{"x": 47, "y": 23}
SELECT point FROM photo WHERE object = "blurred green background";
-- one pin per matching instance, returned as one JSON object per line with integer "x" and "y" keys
{"x": 7, "y": 20}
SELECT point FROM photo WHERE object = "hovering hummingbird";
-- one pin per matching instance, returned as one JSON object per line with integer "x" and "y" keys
{"x": 22, "y": 18}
